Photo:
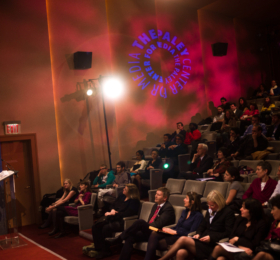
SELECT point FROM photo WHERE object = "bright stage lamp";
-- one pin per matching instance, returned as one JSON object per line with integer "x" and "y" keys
{"x": 89, "y": 92}
{"x": 112, "y": 88}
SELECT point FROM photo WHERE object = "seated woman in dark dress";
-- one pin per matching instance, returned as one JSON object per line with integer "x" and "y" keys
{"x": 126, "y": 205}
{"x": 154, "y": 163}
{"x": 220, "y": 166}
{"x": 69, "y": 195}
{"x": 190, "y": 220}
{"x": 249, "y": 230}
{"x": 83, "y": 198}
{"x": 216, "y": 225}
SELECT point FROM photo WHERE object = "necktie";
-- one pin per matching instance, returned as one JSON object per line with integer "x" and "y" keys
{"x": 197, "y": 166}
{"x": 155, "y": 215}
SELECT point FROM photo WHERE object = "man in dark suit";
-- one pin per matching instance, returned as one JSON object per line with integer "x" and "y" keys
{"x": 165, "y": 145}
{"x": 238, "y": 113}
{"x": 201, "y": 163}
{"x": 273, "y": 132}
{"x": 162, "y": 214}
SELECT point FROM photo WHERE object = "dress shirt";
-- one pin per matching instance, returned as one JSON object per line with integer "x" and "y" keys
{"x": 212, "y": 215}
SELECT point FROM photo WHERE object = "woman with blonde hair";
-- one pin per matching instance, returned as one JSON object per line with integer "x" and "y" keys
{"x": 126, "y": 205}
{"x": 216, "y": 225}
{"x": 69, "y": 192}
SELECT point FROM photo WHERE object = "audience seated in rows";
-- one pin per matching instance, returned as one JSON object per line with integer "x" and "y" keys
{"x": 126, "y": 205}
{"x": 122, "y": 178}
{"x": 265, "y": 251}
{"x": 219, "y": 168}
{"x": 154, "y": 163}
{"x": 83, "y": 198}
{"x": 262, "y": 187}
{"x": 193, "y": 134}
{"x": 140, "y": 163}
{"x": 255, "y": 122}
{"x": 238, "y": 113}
{"x": 252, "y": 143}
{"x": 236, "y": 190}
{"x": 189, "y": 221}
{"x": 201, "y": 162}
{"x": 180, "y": 130}
{"x": 104, "y": 177}
{"x": 260, "y": 92}
{"x": 249, "y": 229}
{"x": 162, "y": 214}
{"x": 274, "y": 90}
{"x": 273, "y": 132}
{"x": 216, "y": 225}
{"x": 69, "y": 195}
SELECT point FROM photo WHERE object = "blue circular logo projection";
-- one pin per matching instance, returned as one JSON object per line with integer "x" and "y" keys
{"x": 159, "y": 62}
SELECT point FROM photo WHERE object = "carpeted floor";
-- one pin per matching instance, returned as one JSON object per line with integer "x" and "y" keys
{"x": 27, "y": 252}
{"x": 69, "y": 247}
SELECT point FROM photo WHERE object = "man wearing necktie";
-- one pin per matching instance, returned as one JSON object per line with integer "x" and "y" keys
{"x": 162, "y": 214}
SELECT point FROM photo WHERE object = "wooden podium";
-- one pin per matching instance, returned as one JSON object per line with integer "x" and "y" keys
{"x": 12, "y": 238}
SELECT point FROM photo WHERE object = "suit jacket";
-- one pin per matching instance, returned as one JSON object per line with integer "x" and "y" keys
{"x": 220, "y": 227}
{"x": 165, "y": 217}
{"x": 238, "y": 113}
{"x": 270, "y": 132}
{"x": 205, "y": 165}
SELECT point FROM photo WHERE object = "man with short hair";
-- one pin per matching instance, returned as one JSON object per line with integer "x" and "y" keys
{"x": 180, "y": 130}
{"x": 201, "y": 163}
{"x": 220, "y": 115}
{"x": 273, "y": 132}
{"x": 120, "y": 180}
{"x": 236, "y": 111}
{"x": 162, "y": 214}
{"x": 252, "y": 143}
{"x": 255, "y": 122}
{"x": 274, "y": 90}
{"x": 176, "y": 149}
{"x": 104, "y": 177}
{"x": 224, "y": 104}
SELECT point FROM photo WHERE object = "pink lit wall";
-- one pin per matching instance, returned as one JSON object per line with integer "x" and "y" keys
{"x": 162, "y": 51}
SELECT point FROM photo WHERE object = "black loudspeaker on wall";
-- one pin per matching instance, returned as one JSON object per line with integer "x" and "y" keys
{"x": 82, "y": 60}
{"x": 219, "y": 48}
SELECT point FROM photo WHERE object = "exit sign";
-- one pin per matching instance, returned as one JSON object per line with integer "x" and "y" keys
{"x": 12, "y": 127}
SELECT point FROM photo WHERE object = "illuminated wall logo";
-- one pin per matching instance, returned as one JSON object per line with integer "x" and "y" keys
{"x": 159, "y": 63}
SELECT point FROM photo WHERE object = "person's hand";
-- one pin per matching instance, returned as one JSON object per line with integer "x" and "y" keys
{"x": 162, "y": 146}
{"x": 172, "y": 147}
{"x": 270, "y": 139}
{"x": 233, "y": 240}
{"x": 247, "y": 250}
{"x": 196, "y": 236}
{"x": 113, "y": 212}
{"x": 210, "y": 171}
{"x": 150, "y": 167}
{"x": 205, "y": 239}
{"x": 81, "y": 195}
{"x": 195, "y": 156}
{"x": 177, "y": 131}
{"x": 215, "y": 174}
{"x": 96, "y": 186}
{"x": 107, "y": 214}
{"x": 234, "y": 154}
{"x": 169, "y": 231}
{"x": 115, "y": 185}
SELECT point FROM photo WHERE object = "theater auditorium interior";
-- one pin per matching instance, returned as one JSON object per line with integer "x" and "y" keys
{"x": 130, "y": 126}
